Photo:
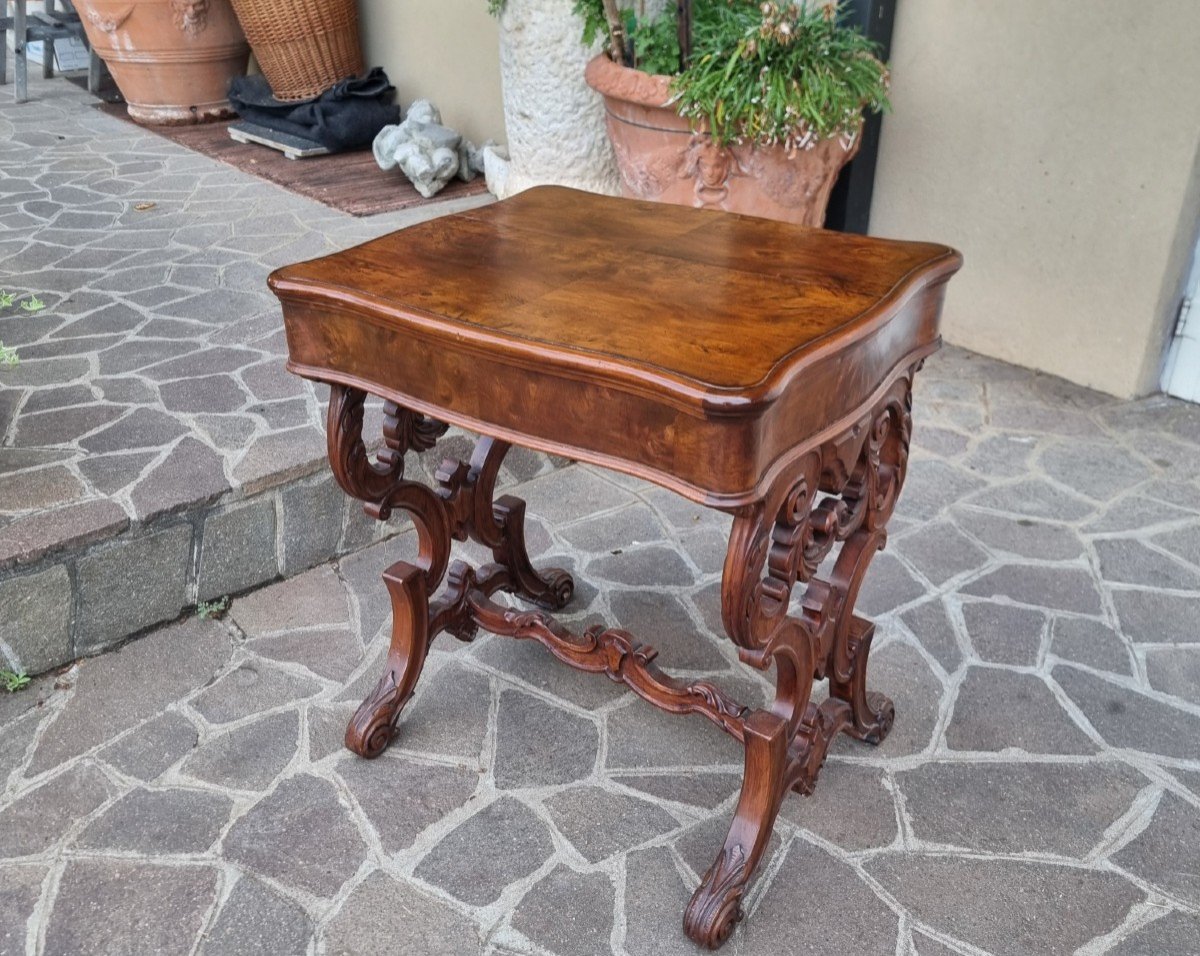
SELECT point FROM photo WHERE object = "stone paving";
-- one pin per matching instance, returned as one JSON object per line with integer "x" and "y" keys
{"x": 1039, "y": 612}
{"x": 150, "y": 418}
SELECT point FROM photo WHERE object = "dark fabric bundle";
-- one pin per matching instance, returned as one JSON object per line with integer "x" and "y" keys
{"x": 345, "y": 116}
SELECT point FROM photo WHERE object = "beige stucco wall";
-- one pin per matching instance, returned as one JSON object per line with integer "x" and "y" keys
{"x": 440, "y": 50}
{"x": 1055, "y": 144}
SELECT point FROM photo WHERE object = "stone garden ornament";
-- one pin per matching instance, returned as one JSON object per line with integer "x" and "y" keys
{"x": 428, "y": 153}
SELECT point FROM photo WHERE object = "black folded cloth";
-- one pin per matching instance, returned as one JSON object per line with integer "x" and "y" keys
{"x": 345, "y": 116}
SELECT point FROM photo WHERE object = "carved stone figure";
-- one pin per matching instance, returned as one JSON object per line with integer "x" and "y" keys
{"x": 191, "y": 16}
{"x": 427, "y": 152}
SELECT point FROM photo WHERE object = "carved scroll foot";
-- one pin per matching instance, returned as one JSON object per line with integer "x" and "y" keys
{"x": 872, "y": 714}
{"x": 374, "y": 723}
{"x": 552, "y": 588}
{"x": 716, "y": 906}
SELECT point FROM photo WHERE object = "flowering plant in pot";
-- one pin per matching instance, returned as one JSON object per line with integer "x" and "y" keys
{"x": 751, "y": 107}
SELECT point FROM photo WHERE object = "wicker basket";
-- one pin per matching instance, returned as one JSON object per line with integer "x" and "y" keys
{"x": 303, "y": 47}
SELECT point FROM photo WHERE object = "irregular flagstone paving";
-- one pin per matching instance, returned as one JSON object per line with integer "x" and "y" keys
{"x": 152, "y": 445}
{"x": 1040, "y": 792}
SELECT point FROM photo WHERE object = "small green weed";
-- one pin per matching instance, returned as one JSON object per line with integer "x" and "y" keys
{"x": 33, "y": 304}
{"x": 13, "y": 681}
{"x": 213, "y": 610}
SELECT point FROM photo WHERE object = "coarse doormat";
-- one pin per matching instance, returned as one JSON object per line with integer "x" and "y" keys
{"x": 351, "y": 182}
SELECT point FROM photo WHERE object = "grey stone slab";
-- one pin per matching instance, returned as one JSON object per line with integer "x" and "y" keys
{"x": 274, "y": 459}
{"x": 940, "y": 552}
{"x": 932, "y": 626}
{"x": 1151, "y": 617}
{"x": 32, "y": 490}
{"x": 129, "y": 907}
{"x": 850, "y": 919}
{"x": 534, "y": 664}
{"x": 1001, "y": 456}
{"x": 694, "y": 787}
{"x": 141, "y": 428}
{"x": 1183, "y": 542}
{"x": 214, "y": 394}
{"x": 157, "y": 822}
{"x": 150, "y": 750}
{"x": 137, "y": 354}
{"x": 332, "y": 653}
{"x": 569, "y": 494}
{"x": 645, "y": 567}
{"x": 190, "y": 476}
{"x": 270, "y": 380}
{"x": 382, "y": 914}
{"x": 528, "y": 756}
{"x": 568, "y": 912}
{"x": 449, "y": 715}
{"x": 130, "y": 585}
{"x": 20, "y": 888}
{"x": 401, "y": 797}
{"x": 887, "y": 586}
{"x": 1175, "y": 671}
{"x": 599, "y": 823}
{"x": 851, "y": 807}
{"x": 248, "y": 757}
{"x": 661, "y": 621}
{"x": 257, "y": 921}
{"x": 1034, "y": 498}
{"x": 310, "y": 523}
{"x": 1165, "y": 853}
{"x": 1018, "y": 807}
{"x": 1055, "y": 588}
{"x": 900, "y": 672}
{"x": 999, "y": 709}
{"x": 655, "y": 896}
{"x": 1090, "y": 642}
{"x": 1004, "y": 633}
{"x": 1029, "y": 908}
{"x": 251, "y": 688}
{"x": 1125, "y": 718}
{"x": 327, "y": 729}
{"x": 1098, "y": 470}
{"x": 1173, "y": 934}
{"x": 14, "y": 743}
{"x": 315, "y": 598}
{"x": 276, "y": 837}
{"x": 502, "y": 843}
{"x": 633, "y": 525}
{"x": 1131, "y": 562}
{"x": 640, "y": 735}
{"x": 237, "y": 549}
{"x": 35, "y": 617}
{"x": 931, "y": 486}
{"x": 1020, "y": 536}
{"x": 112, "y": 473}
{"x": 63, "y": 426}
{"x": 121, "y": 689}
{"x": 28, "y": 539}
{"x": 40, "y": 818}
{"x": 50, "y": 398}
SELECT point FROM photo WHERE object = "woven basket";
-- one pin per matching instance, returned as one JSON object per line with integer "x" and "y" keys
{"x": 303, "y": 47}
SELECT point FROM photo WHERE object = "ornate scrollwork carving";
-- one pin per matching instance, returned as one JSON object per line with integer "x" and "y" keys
{"x": 710, "y": 917}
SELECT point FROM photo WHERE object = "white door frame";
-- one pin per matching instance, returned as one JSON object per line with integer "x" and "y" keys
{"x": 1181, "y": 373}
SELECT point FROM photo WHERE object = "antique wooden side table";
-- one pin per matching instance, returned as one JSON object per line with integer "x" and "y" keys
{"x": 758, "y": 368}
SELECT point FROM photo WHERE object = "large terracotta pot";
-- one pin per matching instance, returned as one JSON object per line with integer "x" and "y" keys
{"x": 662, "y": 158}
{"x": 172, "y": 59}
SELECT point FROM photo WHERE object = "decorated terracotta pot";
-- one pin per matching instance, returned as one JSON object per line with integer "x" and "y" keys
{"x": 172, "y": 59}
{"x": 662, "y": 158}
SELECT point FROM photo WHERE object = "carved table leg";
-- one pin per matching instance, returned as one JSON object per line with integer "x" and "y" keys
{"x": 842, "y": 492}
{"x": 462, "y": 506}
{"x": 372, "y": 726}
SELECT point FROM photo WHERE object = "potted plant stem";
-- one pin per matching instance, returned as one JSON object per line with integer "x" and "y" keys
{"x": 734, "y": 104}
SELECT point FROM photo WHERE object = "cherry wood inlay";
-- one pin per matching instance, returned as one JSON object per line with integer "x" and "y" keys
{"x": 757, "y": 367}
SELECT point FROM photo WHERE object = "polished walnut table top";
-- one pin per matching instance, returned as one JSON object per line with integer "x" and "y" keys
{"x": 670, "y": 329}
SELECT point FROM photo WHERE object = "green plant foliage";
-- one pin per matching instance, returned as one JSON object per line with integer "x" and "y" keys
{"x": 33, "y": 304}
{"x": 13, "y": 681}
{"x": 206, "y": 610}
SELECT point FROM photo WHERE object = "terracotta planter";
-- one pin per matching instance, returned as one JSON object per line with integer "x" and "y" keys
{"x": 172, "y": 59}
{"x": 661, "y": 158}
